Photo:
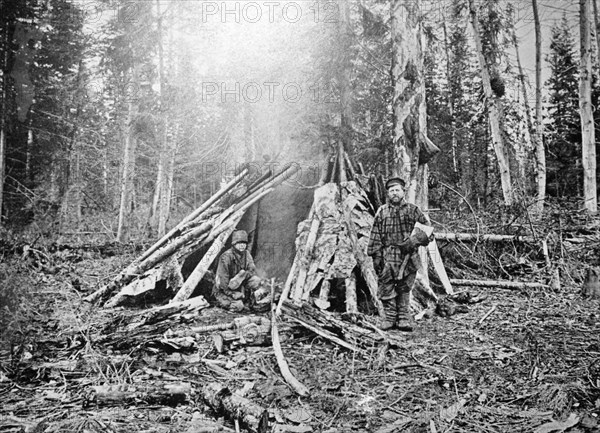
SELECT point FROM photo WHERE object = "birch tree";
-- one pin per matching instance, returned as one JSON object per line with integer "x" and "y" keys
{"x": 540, "y": 151}
{"x": 494, "y": 109}
{"x": 588, "y": 141}
{"x": 410, "y": 129}
{"x": 129, "y": 148}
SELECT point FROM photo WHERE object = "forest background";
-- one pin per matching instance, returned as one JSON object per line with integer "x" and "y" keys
{"x": 120, "y": 117}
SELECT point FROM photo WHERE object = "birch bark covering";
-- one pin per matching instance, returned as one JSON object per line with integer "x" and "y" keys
{"x": 494, "y": 109}
{"x": 588, "y": 140}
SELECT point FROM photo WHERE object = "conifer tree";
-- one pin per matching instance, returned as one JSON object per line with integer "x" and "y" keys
{"x": 563, "y": 131}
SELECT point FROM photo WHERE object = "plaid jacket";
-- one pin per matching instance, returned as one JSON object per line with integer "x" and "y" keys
{"x": 392, "y": 225}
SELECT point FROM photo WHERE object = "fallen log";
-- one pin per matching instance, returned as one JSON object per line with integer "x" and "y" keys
{"x": 237, "y": 408}
{"x": 166, "y": 394}
{"x": 500, "y": 284}
{"x": 125, "y": 329}
{"x": 471, "y": 237}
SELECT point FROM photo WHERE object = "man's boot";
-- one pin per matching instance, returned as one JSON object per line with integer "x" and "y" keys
{"x": 389, "y": 310}
{"x": 404, "y": 321}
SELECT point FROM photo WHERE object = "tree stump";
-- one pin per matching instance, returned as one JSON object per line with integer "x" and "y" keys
{"x": 591, "y": 284}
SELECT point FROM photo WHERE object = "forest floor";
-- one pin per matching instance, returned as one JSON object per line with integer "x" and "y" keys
{"x": 532, "y": 365}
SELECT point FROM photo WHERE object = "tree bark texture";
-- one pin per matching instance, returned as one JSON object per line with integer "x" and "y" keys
{"x": 494, "y": 110}
{"x": 409, "y": 98}
{"x": 588, "y": 139}
{"x": 409, "y": 105}
{"x": 130, "y": 142}
{"x": 540, "y": 151}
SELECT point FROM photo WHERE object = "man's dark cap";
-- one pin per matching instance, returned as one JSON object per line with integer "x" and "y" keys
{"x": 394, "y": 181}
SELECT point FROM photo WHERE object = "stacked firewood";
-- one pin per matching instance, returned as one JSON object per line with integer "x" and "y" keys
{"x": 207, "y": 228}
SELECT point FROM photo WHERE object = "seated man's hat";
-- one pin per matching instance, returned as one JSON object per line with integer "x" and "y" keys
{"x": 239, "y": 236}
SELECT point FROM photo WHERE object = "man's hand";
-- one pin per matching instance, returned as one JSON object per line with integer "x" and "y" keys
{"x": 420, "y": 238}
{"x": 237, "y": 281}
{"x": 378, "y": 264}
{"x": 408, "y": 246}
{"x": 236, "y": 295}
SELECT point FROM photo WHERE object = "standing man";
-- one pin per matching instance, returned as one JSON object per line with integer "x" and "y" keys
{"x": 391, "y": 245}
{"x": 236, "y": 281}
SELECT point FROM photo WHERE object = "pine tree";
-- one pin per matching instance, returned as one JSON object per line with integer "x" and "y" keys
{"x": 563, "y": 132}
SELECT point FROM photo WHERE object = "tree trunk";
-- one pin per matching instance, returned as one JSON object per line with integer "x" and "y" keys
{"x": 588, "y": 140}
{"x": 344, "y": 35}
{"x": 161, "y": 198}
{"x": 409, "y": 93}
{"x": 2, "y": 151}
{"x": 494, "y": 109}
{"x": 540, "y": 152}
{"x": 167, "y": 186}
{"x": 410, "y": 117}
{"x": 249, "y": 132}
{"x": 597, "y": 31}
{"x": 530, "y": 126}
{"x": 128, "y": 162}
{"x": 450, "y": 101}
{"x": 4, "y": 49}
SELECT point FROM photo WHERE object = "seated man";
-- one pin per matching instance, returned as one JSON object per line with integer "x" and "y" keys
{"x": 236, "y": 281}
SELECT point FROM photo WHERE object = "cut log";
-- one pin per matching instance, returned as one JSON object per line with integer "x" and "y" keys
{"x": 350, "y": 166}
{"x": 166, "y": 394}
{"x": 500, "y": 284}
{"x": 351, "y": 301}
{"x": 471, "y": 237}
{"x": 190, "y": 284}
{"x": 323, "y": 301}
{"x": 286, "y": 288}
{"x": 237, "y": 408}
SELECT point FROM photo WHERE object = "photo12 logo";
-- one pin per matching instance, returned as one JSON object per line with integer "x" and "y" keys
{"x": 268, "y": 11}
{"x": 268, "y": 91}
